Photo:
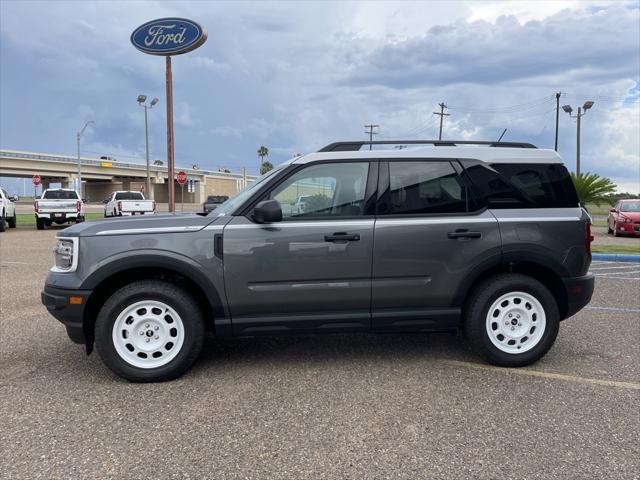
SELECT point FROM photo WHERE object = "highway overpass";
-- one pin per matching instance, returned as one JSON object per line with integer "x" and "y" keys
{"x": 101, "y": 177}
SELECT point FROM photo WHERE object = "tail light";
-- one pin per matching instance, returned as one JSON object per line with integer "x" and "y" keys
{"x": 120, "y": 206}
{"x": 78, "y": 206}
{"x": 154, "y": 206}
{"x": 588, "y": 238}
{"x": 35, "y": 206}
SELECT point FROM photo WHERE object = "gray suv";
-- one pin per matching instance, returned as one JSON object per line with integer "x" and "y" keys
{"x": 484, "y": 237}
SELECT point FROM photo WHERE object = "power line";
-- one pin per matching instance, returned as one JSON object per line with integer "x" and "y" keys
{"x": 371, "y": 133}
{"x": 442, "y": 115}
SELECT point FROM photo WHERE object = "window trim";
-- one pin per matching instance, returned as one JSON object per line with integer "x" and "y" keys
{"x": 384, "y": 184}
{"x": 369, "y": 194}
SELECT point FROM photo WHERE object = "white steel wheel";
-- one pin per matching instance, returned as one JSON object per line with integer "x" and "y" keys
{"x": 516, "y": 322}
{"x": 148, "y": 334}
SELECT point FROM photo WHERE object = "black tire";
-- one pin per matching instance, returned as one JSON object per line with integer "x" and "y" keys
{"x": 80, "y": 219}
{"x": 2, "y": 224}
{"x": 476, "y": 311}
{"x": 154, "y": 290}
{"x": 609, "y": 229}
{"x": 13, "y": 221}
{"x": 40, "y": 223}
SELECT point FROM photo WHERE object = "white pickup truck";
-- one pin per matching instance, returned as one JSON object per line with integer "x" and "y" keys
{"x": 7, "y": 210}
{"x": 119, "y": 204}
{"x": 58, "y": 205}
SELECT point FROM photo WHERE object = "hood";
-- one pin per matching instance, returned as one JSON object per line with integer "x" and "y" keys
{"x": 137, "y": 225}
{"x": 635, "y": 216}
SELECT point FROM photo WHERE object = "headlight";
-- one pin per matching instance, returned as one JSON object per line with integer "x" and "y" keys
{"x": 624, "y": 219}
{"x": 66, "y": 255}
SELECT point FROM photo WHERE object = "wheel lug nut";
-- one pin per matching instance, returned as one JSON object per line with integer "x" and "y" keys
{"x": 156, "y": 337}
{"x": 506, "y": 323}
{"x": 141, "y": 333}
{"x": 147, "y": 339}
{"x": 146, "y": 325}
{"x": 156, "y": 328}
{"x": 519, "y": 324}
{"x": 512, "y": 328}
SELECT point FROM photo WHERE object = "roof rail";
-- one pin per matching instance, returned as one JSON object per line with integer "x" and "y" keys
{"x": 358, "y": 144}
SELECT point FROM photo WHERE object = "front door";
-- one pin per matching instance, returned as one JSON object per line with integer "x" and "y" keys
{"x": 311, "y": 271}
{"x": 429, "y": 239}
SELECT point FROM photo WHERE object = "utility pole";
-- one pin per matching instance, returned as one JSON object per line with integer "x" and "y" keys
{"x": 567, "y": 108}
{"x": 442, "y": 115}
{"x": 557, "y": 118}
{"x": 371, "y": 133}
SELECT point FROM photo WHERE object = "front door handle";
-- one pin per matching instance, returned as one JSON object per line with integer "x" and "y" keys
{"x": 463, "y": 233}
{"x": 342, "y": 237}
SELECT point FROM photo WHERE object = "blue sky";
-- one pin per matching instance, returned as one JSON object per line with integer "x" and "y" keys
{"x": 295, "y": 76}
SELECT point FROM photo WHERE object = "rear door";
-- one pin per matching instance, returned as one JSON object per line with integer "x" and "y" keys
{"x": 430, "y": 236}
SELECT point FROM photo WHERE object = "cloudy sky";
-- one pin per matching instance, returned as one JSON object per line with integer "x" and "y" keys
{"x": 295, "y": 76}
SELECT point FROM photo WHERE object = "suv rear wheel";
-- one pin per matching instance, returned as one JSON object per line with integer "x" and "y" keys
{"x": 149, "y": 331}
{"x": 511, "y": 320}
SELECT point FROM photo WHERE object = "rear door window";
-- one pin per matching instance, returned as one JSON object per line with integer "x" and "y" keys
{"x": 423, "y": 187}
{"x": 60, "y": 195}
{"x": 129, "y": 196}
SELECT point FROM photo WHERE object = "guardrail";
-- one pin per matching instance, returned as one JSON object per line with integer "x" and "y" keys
{"x": 98, "y": 163}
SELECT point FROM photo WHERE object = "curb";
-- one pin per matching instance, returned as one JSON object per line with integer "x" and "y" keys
{"x": 616, "y": 257}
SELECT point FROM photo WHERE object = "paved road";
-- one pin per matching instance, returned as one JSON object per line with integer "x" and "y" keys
{"x": 360, "y": 406}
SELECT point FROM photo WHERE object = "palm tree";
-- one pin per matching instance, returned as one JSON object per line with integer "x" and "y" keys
{"x": 262, "y": 152}
{"x": 266, "y": 167}
{"x": 158, "y": 162}
{"x": 592, "y": 188}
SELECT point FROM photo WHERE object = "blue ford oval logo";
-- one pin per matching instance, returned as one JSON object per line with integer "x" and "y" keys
{"x": 168, "y": 36}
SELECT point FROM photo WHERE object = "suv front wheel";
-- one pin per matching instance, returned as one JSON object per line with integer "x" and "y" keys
{"x": 149, "y": 331}
{"x": 511, "y": 320}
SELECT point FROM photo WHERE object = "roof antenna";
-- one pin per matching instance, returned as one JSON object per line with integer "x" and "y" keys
{"x": 505, "y": 131}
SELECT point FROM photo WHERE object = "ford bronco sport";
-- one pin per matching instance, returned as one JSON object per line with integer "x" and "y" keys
{"x": 484, "y": 237}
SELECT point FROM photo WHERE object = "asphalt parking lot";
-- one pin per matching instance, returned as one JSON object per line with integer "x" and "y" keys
{"x": 361, "y": 406}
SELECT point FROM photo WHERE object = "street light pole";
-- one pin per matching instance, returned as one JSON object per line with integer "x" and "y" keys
{"x": 581, "y": 112}
{"x": 78, "y": 135}
{"x": 142, "y": 99}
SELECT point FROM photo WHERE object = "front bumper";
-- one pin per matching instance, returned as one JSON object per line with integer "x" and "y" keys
{"x": 628, "y": 228}
{"x": 57, "y": 301}
{"x": 578, "y": 292}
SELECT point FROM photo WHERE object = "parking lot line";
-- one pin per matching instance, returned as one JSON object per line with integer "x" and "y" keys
{"x": 614, "y": 309}
{"x": 626, "y": 272}
{"x": 547, "y": 375}
{"x": 612, "y": 268}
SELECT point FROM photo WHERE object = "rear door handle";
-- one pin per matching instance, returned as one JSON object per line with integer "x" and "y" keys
{"x": 342, "y": 237}
{"x": 463, "y": 233}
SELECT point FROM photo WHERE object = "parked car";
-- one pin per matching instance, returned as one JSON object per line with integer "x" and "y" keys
{"x": 7, "y": 210}
{"x": 301, "y": 203}
{"x": 489, "y": 239}
{"x": 213, "y": 201}
{"x": 624, "y": 218}
{"x": 58, "y": 205}
{"x": 122, "y": 203}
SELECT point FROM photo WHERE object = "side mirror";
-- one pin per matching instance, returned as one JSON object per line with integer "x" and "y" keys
{"x": 84, "y": 200}
{"x": 613, "y": 210}
{"x": 267, "y": 211}
{"x": 14, "y": 198}
{"x": 105, "y": 201}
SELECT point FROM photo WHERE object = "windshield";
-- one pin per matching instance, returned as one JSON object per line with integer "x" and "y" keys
{"x": 630, "y": 206}
{"x": 60, "y": 195}
{"x": 239, "y": 198}
{"x": 217, "y": 198}
{"x": 129, "y": 196}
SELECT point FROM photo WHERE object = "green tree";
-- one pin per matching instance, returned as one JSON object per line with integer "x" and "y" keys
{"x": 263, "y": 152}
{"x": 317, "y": 202}
{"x": 158, "y": 162}
{"x": 592, "y": 188}
{"x": 266, "y": 167}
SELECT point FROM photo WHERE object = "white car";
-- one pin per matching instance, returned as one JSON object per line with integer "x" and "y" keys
{"x": 58, "y": 205}
{"x": 7, "y": 210}
{"x": 124, "y": 203}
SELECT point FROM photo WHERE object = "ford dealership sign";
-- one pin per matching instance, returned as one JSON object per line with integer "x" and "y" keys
{"x": 168, "y": 36}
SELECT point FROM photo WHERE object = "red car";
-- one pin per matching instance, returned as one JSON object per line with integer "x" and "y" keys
{"x": 624, "y": 218}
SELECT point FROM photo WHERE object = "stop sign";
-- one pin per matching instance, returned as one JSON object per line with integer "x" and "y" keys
{"x": 182, "y": 177}
{"x": 36, "y": 180}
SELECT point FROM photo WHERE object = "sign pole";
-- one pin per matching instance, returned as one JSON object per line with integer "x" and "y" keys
{"x": 182, "y": 206}
{"x": 171, "y": 185}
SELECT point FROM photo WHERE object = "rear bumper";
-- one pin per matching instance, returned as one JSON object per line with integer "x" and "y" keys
{"x": 57, "y": 302}
{"x": 578, "y": 291}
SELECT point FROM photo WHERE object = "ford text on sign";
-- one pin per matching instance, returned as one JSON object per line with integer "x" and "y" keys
{"x": 168, "y": 36}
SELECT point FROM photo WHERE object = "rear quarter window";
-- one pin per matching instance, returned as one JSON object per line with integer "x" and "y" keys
{"x": 514, "y": 185}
